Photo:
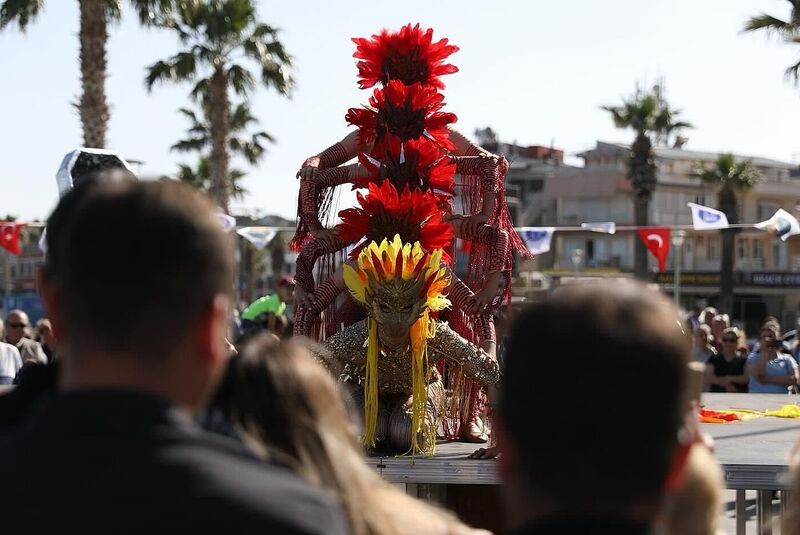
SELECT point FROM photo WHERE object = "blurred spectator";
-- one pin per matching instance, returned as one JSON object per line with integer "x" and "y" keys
{"x": 287, "y": 407}
{"x": 707, "y": 315}
{"x": 10, "y": 363}
{"x": 771, "y": 370}
{"x": 2, "y": 329}
{"x": 557, "y": 481}
{"x": 154, "y": 254}
{"x": 702, "y": 348}
{"x": 693, "y": 319}
{"x": 695, "y": 506}
{"x": 718, "y": 325}
{"x": 18, "y": 334}
{"x": 45, "y": 337}
{"x": 256, "y": 315}
{"x": 725, "y": 371}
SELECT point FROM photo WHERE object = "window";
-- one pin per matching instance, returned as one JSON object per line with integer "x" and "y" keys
{"x": 713, "y": 249}
{"x": 741, "y": 249}
{"x": 766, "y": 209}
{"x": 700, "y": 199}
{"x": 758, "y": 249}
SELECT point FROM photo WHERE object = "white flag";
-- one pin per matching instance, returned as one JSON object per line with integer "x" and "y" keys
{"x": 228, "y": 223}
{"x": 705, "y": 218}
{"x": 606, "y": 228}
{"x": 258, "y": 236}
{"x": 537, "y": 238}
{"x": 783, "y": 224}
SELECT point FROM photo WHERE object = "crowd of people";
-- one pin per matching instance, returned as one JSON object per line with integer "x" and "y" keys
{"x": 141, "y": 418}
{"x": 768, "y": 366}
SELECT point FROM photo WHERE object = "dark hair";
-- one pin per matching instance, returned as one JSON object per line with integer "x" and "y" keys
{"x": 593, "y": 395}
{"x": 128, "y": 255}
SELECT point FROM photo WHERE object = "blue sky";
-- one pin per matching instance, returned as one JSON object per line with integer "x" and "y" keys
{"x": 536, "y": 71}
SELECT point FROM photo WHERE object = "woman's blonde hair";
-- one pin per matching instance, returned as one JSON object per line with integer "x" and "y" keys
{"x": 289, "y": 408}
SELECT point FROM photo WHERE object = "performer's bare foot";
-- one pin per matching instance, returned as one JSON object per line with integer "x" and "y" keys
{"x": 491, "y": 452}
{"x": 473, "y": 432}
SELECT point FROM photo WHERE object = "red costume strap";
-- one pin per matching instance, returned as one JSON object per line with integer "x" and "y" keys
{"x": 314, "y": 249}
{"x": 314, "y": 201}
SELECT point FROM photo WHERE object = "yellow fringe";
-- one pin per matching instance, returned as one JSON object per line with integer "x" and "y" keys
{"x": 422, "y": 329}
{"x": 371, "y": 386}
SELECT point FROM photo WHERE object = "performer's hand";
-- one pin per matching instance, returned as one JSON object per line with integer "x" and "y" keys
{"x": 469, "y": 227}
{"x": 303, "y": 299}
{"x": 485, "y": 295}
{"x": 492, "y": 452}
{"x": 327, "y": 236}
{"x": 309, "y": 168}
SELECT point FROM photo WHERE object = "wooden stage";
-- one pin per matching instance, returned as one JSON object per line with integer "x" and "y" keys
{"x": 754, "y": 455}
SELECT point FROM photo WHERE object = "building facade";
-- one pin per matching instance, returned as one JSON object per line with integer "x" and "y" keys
{"x": 599, "y": 191}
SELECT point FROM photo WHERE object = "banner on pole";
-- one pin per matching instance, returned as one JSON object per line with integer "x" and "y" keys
{"x": 537, "y": 238}
{"x": 9, "y": 236}
{"x": 705, "y": 218}
{"x": 782, "y": 224}
{"x": 606, "y": 228}
{"x": 258, "y": 236}
{"x": 656, "y": 240}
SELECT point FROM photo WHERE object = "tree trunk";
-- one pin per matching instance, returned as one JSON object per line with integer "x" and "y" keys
{"x": 219, "y": 127}
{"x": 92, "y": 107}
{"x": 642, "y": 176}
{"x": 727, "y": 205}
{"x": 640, "y": 209}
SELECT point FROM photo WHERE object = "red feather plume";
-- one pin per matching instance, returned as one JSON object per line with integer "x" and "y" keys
{"x": 405, "y": 111}
{"x": 408, "y": 55}
{"x": 384, "y": 212}
{"x": 416, "y": 164}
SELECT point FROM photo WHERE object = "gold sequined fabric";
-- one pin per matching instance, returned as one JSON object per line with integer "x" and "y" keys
{"x": 349, "y": 349}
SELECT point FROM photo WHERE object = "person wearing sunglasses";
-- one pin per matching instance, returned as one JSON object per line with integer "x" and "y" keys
{"x": 17, "y": 329}
{"x": 771, "y": 370}
{"x": 725, "y": 371}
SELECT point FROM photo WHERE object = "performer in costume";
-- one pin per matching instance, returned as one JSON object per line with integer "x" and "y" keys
{"x": 407, "y": 156}
{"x": 392, "y": 352}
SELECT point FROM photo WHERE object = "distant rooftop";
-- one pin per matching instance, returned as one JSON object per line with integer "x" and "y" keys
{"x": 670, "y": 153}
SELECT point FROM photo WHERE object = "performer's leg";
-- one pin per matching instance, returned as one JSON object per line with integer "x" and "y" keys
{"x": 400, "y": 419}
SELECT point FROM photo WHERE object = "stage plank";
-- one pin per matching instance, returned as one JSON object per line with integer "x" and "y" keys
{"x": 754, "y": 454}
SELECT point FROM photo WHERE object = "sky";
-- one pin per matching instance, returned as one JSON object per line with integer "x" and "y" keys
{"x": 536, "y": 71}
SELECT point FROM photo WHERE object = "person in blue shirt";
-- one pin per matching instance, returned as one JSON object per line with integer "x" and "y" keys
{"x": 771, "y": 370}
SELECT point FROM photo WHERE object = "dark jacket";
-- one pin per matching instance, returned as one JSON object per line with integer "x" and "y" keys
{"x": 574, "y": 525}
{"x": 129, "y": 462}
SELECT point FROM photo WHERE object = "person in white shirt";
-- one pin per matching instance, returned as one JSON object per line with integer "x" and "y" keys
{"x": 10, "y": 363}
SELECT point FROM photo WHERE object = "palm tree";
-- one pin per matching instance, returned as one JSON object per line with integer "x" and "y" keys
{"x": 250, "y": 146}
{"x": 217, "y": 34}
{"x": 95, "y": 16}
{"x": 200, "y": 177}
{"x": 788, "y": 30}
{"x": 647, "y": 115}
{"x": 731, "y": 178}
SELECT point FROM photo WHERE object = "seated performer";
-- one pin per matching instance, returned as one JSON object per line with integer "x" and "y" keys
{"x": 392, "y": 353}
{"x": 408, "y": 155}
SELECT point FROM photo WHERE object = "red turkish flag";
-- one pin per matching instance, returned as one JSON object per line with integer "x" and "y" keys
{"x": 656, "y": 239}
{"x": 9, "y": 236}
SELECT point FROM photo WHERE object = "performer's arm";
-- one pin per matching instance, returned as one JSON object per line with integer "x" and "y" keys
{"x": 337, "y": 154}
{"x": 310, "y": 190}
{"x": 477, "y": 365}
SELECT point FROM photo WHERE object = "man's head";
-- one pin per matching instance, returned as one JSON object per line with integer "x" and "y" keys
{"x": 138, "y": 277}
{"x": 17, "y": 325}
{"x": 719, "y": 324}
{"x": 286, "y": 289}
{"x": 593, "y": 398}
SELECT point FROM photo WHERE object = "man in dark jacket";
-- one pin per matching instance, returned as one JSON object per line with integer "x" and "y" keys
{"x": 592, "y": 459}
{"x": 117, "y": 449}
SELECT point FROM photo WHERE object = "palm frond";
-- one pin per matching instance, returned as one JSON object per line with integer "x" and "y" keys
{"x": 769, "y": 23}
{"x": 793, "y": 72}
{"x": 23, "y": 12}
{"x": 155, "y": 12}
{"x": 241, "y": 79}
{"x": 181, "y": 67}
{"x": 195, "y": 144}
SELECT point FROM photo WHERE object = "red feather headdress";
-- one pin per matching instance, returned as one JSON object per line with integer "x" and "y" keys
{"x": 416, "y": 164}
{"x": 405, "y": 111}
{"x": 413, "y": 214}
{"x": 408, "y": 55}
